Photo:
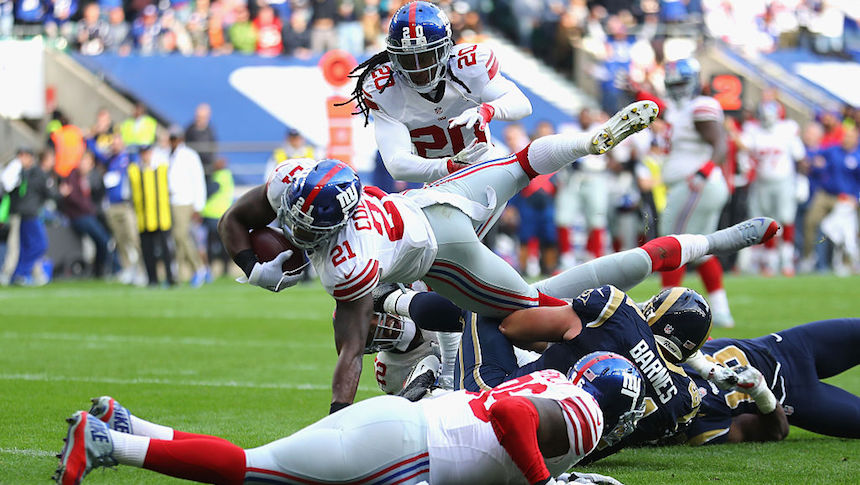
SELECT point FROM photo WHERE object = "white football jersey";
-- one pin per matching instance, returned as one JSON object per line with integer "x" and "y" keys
{"x": 282, "y": 176}
{"x": 688, "y": 150}
{"x": 473, "y": 64}
{"x": 388, "y": 239}
{"x": 463, "y": 446}
{"x": 774, "y": 150}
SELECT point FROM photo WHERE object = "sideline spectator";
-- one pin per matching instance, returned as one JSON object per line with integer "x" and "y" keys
{"x": 120, "y": 214}
{"x": 10, "y": 221}
{"x": 146, "y": 31}
{"x": 148, "y": 182}
{"x": 68, "y": 144}
{"x": 201, "y": 138}
{"x": 222, "y": 192}
{"x": 294, "y": 146}
{"x": 77, "y": 205}
{"x": 35, "y": 187}
{"x": 297, "y": 38}
{"x": 139, "y": 130}
{"x": 187, "y": 198}
{"x": 100, "y": 138}
{"x": 349, "y": 33}
{"x": 198, "y": 25}
{"x": 58, "y": 19}
{"x": 269, "y": 41}
{"x": 323, "y": 34}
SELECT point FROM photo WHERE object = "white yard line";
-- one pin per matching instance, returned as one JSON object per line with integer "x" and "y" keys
{"x": 19, "y": 451}
{"x": 162, "y": 340}
{"x": 172, "y": 382}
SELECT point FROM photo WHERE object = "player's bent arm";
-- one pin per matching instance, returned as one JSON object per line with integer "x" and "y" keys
{"x": 509, "y": 103}
{"x": 530, "y": 429}
{"x": 250, "y": 211}
{"x": 395, "y": 146}
{"x": 351, "y": 326}
{"x": 713, "y": 133}
{"x": 772, "y": 426}
{"x": 547, "y": 324}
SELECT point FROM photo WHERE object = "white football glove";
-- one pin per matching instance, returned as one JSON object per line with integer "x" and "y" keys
{"x": 723, "y": 377}
{"x": 271, "y": 275}
{"x": 479, "y": 115}
{"x": 468, "y": 155}
{"x": 587, "y": 479}
{"x": 751, "y": 381}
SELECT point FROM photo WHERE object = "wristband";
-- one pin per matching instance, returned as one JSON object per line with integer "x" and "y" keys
{"x": 705, "y": 170}
{"x": 246, "y": 259}
{"x": 487, "y": 111}
{"x": 337, "y": 406}
{"x": 765, "y": 400}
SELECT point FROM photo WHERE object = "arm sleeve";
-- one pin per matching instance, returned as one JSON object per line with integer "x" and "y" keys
{"x": 395, "y": 146}
{"x": 506, "y": 98}
{"x": 515, "y": 421}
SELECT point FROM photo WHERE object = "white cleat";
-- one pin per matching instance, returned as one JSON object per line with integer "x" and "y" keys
{"x": 88, "y": 445}
{"x": 112, "y": 413}
{"x": 743, "y": 234}
{"x": 723, "y": 320}
{"x": 630, "y": 119}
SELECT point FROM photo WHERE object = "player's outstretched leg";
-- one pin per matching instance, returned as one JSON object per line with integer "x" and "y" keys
{"x": 120, "y": 419}
{"x": 88, "y": 445}
{"x": 743, "y": 234}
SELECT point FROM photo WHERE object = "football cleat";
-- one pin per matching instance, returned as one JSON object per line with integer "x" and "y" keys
{"x": 88, "y": 445}
{"x": 743, "y": 234}
{"x": 631, "y": 119}
{"x": 723, "y": 319}
{"x": 112, "y": 413}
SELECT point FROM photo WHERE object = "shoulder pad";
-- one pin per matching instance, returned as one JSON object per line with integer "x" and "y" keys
{"x": 474, "y": 62}
{"x": 377, "y": 83}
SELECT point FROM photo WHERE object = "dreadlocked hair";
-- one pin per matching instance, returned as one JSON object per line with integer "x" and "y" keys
{"x": 365, "y": 68}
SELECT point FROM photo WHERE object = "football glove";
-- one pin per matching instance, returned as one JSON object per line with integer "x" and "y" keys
{"x": 751, "y": 381}
{"x": 271, "y": 275}
{"x": 479, "y": 115}
{"x": 721, "y": 376}
{"x": 587, "y": 479}
{"x": 468, "y": 155}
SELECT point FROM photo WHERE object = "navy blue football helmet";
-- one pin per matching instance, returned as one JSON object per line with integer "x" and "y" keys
{"x": 318, "y": 203}
{"x": 680, "y": 319}
{"x": 682, "y": 79}
{"x": 419, "y": 43}
{"x": 618, "y": 388}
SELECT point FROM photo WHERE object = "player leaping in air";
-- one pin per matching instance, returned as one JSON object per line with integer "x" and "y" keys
{"x": 527, "y": 431}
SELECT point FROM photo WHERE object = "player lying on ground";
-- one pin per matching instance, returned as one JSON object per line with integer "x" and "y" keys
{"x": 357, "y": 238}
{"x": 623, "y": 270}
{"x": 525, "y": 432}
{"x": 780, "y": 384}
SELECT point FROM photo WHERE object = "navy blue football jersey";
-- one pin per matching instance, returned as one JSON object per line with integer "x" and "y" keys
{"x": 611, "y": 321}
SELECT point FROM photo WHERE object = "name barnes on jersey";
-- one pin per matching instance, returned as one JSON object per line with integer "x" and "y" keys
{"x": 653, "y": 369}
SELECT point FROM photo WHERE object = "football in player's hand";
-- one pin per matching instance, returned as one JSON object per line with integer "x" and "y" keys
{"x": 268, "y": 243}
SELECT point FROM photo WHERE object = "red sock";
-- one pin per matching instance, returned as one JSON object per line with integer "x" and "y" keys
{"x": 788, "y": 233}
{"x": 201, "y": 460}
{"x": 665, "y": 253}
{"x": 546, "y": 300}
{"x": 673, "y": 277}
{"x": 534, "y": 247}
{"x": 182, "y": 435}
{"x": 594, "y": 245}
{"x": 616, "y": 244}
{"x": 523, "y": 160}
{"x": 712, "y": 274}
{"x": 563, "y": 239}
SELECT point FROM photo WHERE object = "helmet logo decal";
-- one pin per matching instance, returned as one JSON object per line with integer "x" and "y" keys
{"x": 417, "y": 40}
{"x": 630, "y": 386}
{"x": 668, "y": 328}
{"x": 347, "y": 198}
{"x": 689, "y": 345}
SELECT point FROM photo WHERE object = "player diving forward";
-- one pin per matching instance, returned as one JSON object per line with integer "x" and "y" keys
{"x": 356, "y": 238}
{"x": 527, "y": 431}
{"x": 780, "y": 384}
{"x": 431, "y": 100}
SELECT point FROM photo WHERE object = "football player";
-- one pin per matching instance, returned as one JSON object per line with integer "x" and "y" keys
{"x": 775, "y": 147}
{"x": 527, "y": 431}
{"x": 431, "y": 100}
{"x": 780, "y": 384}
{"x": 696, "y": 188}
{"x": 357, "y": 237}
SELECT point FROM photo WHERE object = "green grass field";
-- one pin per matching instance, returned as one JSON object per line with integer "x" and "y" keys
{"x": 253, "y": 366}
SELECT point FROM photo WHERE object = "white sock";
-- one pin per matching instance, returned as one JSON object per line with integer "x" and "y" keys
{"x": 129, "y": 449}
{"x": 719, "y": 301}
{"x": 551, "y": 153}
{"x": 449, "y": 345}
{"x": 143, "y": 427}
{"x": 693, "y": 246}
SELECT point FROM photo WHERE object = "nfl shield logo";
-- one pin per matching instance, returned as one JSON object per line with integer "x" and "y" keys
{"x": 438, "y": 110}
{"x": 668, "y": 329}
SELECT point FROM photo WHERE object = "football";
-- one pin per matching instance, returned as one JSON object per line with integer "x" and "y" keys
{"x": 268, "y": 242}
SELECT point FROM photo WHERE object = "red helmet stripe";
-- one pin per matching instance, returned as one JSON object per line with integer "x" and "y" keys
{"x": 413, "y": 8}
{"x": 316, "y": 190}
